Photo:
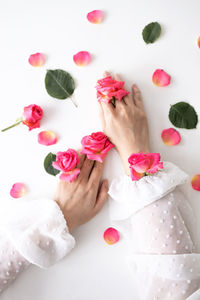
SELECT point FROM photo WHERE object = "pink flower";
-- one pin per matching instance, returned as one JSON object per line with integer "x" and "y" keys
{"x": 32, "y": 116}
{"x": 108, "y": 88}
{"x": 66, "y": 162}
{"x": 96, "y": 146}
{"x": 161, "y": 78}
{"x": 144, "y": 164}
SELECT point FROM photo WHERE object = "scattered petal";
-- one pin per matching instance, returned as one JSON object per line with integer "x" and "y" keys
{"x": 161, "y": 78}
{"x": 82, "y": 58}
{"x": 47, "y": 138}
{"x": 111, "y": 236}
{"x": 170, "y": 137}
{"x": 18, "y": 190}
{"x": 36, "y": 60}
{"x": 196, "y": 182}
{"x": 95, "y": 16}
{"x": 198, "y": 41}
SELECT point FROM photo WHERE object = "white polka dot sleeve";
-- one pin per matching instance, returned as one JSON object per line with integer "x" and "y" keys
{"x": 158, "y": 223}
{"x": 31, "y": 232}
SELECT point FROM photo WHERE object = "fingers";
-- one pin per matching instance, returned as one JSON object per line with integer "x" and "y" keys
{"x": 96, "y": 173}
{"x": 118, "y": 103}
{"x": 137, "y": 96}
{"x": 108, "y": 108}
{"x": 101, "y": 114}
{"x": 127, "y": 99}
{"x": 86, "y": 169}
{"x": 81, "y": 159}
{"x": 118, "y": 77}
{"x": 102, "y": 196}
{"x": 106, "y": 73}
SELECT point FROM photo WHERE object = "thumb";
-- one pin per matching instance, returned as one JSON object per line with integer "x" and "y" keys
{"x": 102, "y": 196}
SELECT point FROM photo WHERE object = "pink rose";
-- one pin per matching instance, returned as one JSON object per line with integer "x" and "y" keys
{"x": 66, "y": 162}
{"x": 144, "y": 164}
{"x": 32, "y": 116}
{"x": 108, "y": 88}
{"x": 96, "y": 146}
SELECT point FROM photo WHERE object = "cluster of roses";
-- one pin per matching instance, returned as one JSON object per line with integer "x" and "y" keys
{"x": 96, "y": 145}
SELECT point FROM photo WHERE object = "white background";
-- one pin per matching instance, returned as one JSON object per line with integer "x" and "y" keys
{"x": 60, "y": 29}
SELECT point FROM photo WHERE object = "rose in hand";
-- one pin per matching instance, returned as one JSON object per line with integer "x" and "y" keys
{"x": 31, "y": 117}
{"x": 126, "y": 124}
{"x": 109, "y": 89}
{"x": 96, "y": 146}
{"x": 144, "y": 164}
{"x": 67, "y": 162}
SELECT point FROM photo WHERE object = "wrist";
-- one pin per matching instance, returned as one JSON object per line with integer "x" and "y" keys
{"x": 126, "y": 153}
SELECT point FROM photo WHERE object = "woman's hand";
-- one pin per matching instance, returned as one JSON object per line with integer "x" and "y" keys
{"x": 126, "y": 124}
{"x": 82, "y": 199}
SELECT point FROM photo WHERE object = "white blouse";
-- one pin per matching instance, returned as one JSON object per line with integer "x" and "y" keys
{"x": 158, "y": 223}
{"x": 31, "y": 232}
{"x": 152, "y": 213}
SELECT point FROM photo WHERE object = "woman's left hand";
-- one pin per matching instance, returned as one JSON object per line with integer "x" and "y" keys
{"x": 82, "y": 199}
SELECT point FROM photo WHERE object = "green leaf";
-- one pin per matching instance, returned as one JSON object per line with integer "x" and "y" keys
{"x": 48, "y": 164}
{"x": 183, "y": 115}
{"x": 59, "y": 84}
{"x": 151, "y": 32}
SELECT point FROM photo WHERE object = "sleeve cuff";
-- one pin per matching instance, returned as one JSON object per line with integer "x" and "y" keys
{"x": 127, "y": 196}
{"x": 38, "y": 231}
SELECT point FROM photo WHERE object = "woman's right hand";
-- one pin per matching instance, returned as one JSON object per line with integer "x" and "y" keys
{"x": 126, "y": 124}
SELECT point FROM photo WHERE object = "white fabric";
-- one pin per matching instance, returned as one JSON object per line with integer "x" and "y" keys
{"x": 37, "y": 233}
{"x": 144, "y": 191}
{"x": 11, "y": 262}
{"x": 159, "y": 225}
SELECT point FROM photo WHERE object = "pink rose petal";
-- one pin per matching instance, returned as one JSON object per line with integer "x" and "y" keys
{"x": 18, "y": 190}
{"x": 47, "y": 138}
{"x": 161, "y": 78}
{"x": 95, "y": 16}
{"x": 111, "y": 236}
{"x": 195, "y": 182}
{"x": 70, "y": 176}
{"x": 36, "y": 60}
{"x": 198, "y": 41}
{"x": 170, "y": 137}
{"x": 82, "y": 58}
